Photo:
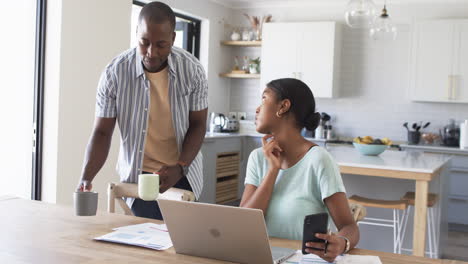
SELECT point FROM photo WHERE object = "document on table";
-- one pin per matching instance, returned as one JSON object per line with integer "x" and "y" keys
{"x": 298, "y": 258}
{"x": 147, "y": 235}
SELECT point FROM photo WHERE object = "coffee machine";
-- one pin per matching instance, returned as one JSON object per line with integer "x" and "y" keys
{"x": 450, "y": 134}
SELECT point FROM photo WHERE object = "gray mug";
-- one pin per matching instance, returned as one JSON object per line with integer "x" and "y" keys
{"x": 85, "y": 203}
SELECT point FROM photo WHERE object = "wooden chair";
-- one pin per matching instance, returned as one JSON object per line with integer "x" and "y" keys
{"x": 118, "y": 191}
{"x": 395, "y": 223}
{"x": 432, "y": 235}
{"x": 358, "y": 211}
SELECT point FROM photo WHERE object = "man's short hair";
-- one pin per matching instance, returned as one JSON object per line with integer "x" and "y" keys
{"x": 158, "y": 13}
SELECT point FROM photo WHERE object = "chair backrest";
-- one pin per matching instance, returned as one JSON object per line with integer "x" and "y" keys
{"x": 357, "y": 211}
{"x": 119, "y": 191}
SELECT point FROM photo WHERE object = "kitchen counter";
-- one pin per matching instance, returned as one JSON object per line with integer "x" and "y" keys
{"x": 389, "y": 160}
{"x": 420, "y": 167}
{"x": 436, "y": 148}
{"x": 216, "y": 135}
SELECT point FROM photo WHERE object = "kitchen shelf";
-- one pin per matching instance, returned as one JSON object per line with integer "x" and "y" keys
{"x": 240, "y": 75}
{"x": 254, "y": 43}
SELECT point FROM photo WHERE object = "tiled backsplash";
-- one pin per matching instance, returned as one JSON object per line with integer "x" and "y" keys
{"x": 373, "y": 96}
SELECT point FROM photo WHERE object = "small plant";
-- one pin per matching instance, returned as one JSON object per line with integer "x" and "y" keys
{"x": 254, "y": 65}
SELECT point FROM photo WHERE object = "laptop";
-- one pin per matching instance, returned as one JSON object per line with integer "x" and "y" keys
{"x": 220, "y": 232}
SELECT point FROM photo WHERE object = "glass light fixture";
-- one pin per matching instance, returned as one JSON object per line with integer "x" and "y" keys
{"x": 360, "y": 13}
{"x": 383, "y": 28}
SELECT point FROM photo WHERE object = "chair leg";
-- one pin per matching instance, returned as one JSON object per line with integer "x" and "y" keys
{"x": 436, "y": 234}
{"x": 404, "y": 225}
{"x": 431, "y": 221}
{"x": 429, "y": 233}
{"x": 404, "y": 217}
{"x": 395, "y": 242}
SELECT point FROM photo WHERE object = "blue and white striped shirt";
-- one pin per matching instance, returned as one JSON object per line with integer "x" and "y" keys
{"x": 124, "y": 93}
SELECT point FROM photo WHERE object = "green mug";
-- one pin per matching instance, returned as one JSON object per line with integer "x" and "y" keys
{"x": 148, "y": 186}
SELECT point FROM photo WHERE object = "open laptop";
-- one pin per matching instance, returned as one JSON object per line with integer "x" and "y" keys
{"x": 220, "y": 232}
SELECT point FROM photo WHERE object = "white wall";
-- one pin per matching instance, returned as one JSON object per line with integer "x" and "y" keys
{"x": 375, "y": 76}
{"x": 82, "y": 37}
{"x": 17, "y": 50}
{"x": 212, "y": 55}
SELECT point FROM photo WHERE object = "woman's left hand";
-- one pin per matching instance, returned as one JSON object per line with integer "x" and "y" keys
{"x": 334, "y": 245}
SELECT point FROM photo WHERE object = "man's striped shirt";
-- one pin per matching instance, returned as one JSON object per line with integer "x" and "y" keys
{"x": 124, "y": 93}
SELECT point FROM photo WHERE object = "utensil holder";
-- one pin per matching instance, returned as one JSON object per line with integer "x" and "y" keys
{"x": 414, "y": 137}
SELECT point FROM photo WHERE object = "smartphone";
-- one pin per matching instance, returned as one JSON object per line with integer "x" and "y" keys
{"x": 314, "y": 223}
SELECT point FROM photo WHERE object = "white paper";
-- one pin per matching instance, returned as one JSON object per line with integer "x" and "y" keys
{"x": 298, "y": 258}
{"x": 147, "y": 235}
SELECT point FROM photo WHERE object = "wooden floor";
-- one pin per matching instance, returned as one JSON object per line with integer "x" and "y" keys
{"x": 457, "y": 246}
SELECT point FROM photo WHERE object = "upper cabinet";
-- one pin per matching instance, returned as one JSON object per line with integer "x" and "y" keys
{"x": 308, "y": 51}
{"x": 440, "y": 61}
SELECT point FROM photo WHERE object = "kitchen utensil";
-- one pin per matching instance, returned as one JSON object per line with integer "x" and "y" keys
{"x": 450, "y": 134}
{"x": 426, "y": 125}
{"x": 414, "y": 137}
{"x": 429, "y": 138}
{"x": 406, "y": 125}
{"x": 217, "y": 122}
{"x": 414, "y": 126}
{"x": 325, "y": 117}
{"x": 232, "y": 125}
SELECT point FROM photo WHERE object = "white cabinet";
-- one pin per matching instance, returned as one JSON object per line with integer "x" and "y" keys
{"x": 308, "y": 51}
{"x": 440, "y": 61}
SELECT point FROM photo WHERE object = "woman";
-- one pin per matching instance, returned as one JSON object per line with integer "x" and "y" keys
{"x": 291, "y": 177}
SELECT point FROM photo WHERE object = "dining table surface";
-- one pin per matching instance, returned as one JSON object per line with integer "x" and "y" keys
{"x": 40, "y": 232}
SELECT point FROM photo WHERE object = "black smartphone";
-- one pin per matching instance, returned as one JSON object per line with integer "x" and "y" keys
{"x": 315, "y": 223}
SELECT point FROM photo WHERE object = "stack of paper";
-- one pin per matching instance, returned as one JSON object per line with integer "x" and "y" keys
{"x": 147, "y": 235}
{"x": 298, "y": 258}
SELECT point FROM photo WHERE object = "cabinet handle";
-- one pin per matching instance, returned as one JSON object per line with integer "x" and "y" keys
{"x": 449, "y": 88}
{"x": 454, "y": 87}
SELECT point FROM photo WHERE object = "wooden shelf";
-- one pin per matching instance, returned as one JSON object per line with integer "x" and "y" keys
{"x": 240, "y": 75}
{"x": 254, "y": 43}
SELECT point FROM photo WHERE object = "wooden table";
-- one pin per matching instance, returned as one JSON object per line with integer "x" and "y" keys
{"x": 37, "y": 232}
{"x": 420, "y": 167}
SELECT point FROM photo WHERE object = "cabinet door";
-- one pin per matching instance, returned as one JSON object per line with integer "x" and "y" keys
{"x": 432, "y": 58}
{"x": 316, "y": 64}
{"x": 460, "y": 81}
{"x": 279, "y": 47}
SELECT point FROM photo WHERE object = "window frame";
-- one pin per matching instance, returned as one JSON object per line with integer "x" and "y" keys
{"x": 38, "y": 115}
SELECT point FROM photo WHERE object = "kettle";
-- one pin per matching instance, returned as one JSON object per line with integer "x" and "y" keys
{"x": 217, "y": 122}
{"x": 450, "y": 134}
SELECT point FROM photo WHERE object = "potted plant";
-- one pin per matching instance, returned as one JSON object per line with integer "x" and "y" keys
{"x": 254, "y": 65}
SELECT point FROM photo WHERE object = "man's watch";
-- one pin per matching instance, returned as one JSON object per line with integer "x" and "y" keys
{"x": 348, "y": 244}
{"x": 184, "y": 166}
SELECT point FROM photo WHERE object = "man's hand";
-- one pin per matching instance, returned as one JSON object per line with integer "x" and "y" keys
{"x": 84, "y": 186}
{"x": 168, "y": 177}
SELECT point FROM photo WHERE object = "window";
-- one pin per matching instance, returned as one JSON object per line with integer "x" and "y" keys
{"x": 187, "y": 30}
{"x": 22, "y": 56}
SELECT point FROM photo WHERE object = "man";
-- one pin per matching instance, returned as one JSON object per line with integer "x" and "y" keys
{"x": 157, "y": 94}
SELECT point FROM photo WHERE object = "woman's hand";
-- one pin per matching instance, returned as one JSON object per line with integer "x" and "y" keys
{"x": 328, "y": 251}
{"x": 272, "y": 152}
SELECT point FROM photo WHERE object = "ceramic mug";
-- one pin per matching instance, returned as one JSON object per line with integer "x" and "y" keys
{"x": 85, "y": 203}
{"x": 148, "y": 186}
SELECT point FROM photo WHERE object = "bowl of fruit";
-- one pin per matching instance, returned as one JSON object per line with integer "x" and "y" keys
{"x": 371, "y": 147}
